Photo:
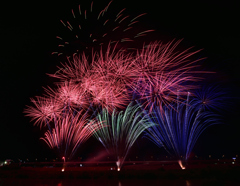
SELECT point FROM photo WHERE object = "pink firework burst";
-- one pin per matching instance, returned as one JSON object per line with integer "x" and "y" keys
{"x": 164, "y": 89}
{"x": 75, "y": 70}
{"x": 115, "y": 66}
{"x": 159, "y": 57}
{"x": 164, "y": 73}
{"x": 110, "y": 96}
{"x": 103, "y": 81}
{"x": 69, "y": 95}
{"x": 70, "y": 131}
{"x": 43, "y": 111}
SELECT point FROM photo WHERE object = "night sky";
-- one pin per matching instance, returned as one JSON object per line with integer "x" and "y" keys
{"x": 28, "y": 36}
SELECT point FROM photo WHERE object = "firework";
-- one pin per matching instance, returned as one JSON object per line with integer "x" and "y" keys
{"x": 115, "y": 64}
{"x": 102, "y": 76}
{"x": 210, "y": 98}
{"x": 156, "y": 73}
{"x": 91, "y": 28}
{"x": 103, "y": 82}
{"x": 76, "y": 70}
{"x": 70, "y": 131}
{"x": 123, "y": 130}
{"x": 68, "y": 95}
{"x": 164, "y": 73}
{"x": 179, "y": 128}
{"x": 161, "y": 57}
{"x": 43, "y": 111}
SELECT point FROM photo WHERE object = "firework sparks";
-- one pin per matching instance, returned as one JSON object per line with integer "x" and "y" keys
{"x": 69, "y": 95}
{"x": 105, "y": 82}
{"x": 70, "y": 132}
{"x": 210, "y": 98}
{"x": 124, "y": 129}
{"x": 43, "y": 111}
{"x": 88, "y": 29}
{"x": 75, "y": 70}
{"x": 157, "y": 76}
{"x": 179, "y": 128}
{"x": 163, "y": 73}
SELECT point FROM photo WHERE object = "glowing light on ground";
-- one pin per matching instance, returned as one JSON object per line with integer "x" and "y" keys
{"x": 181, "y": 165}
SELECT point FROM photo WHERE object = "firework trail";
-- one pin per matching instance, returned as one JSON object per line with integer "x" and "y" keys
{"x": 123, "y": 130}
{"x": 90, "y": 28}
{"x": 179, "y": 127}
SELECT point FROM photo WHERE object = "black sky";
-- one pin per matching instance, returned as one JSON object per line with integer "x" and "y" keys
{"x": 27, "y": 38}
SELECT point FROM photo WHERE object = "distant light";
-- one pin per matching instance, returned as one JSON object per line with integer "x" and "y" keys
{"x": 181, "y": 165}
{"x": 5, "y": 162}
{"x": 63, "y": 170}
{"x": 111, "y": 168}
{"x": 80, "y": 165}
{"x": 118, "y": 169}
{"x": 233, "y": 158}
{"x": 233, "y": 162}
